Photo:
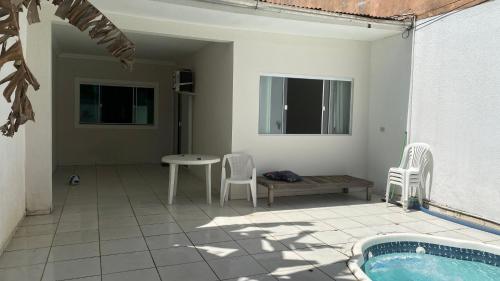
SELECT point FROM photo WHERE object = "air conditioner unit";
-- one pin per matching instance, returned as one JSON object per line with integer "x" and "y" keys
{"x": 184, "y": 81}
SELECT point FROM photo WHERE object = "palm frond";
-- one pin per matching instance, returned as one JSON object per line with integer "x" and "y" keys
{"x": 80, "y": 13}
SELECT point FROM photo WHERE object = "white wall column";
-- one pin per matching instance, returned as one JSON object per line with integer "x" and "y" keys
{"x": 39, "y": 133}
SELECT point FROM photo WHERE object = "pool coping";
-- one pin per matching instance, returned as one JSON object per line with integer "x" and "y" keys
{"x": 357, "y": 259}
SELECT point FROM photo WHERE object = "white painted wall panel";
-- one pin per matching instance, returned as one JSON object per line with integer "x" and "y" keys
{"x": 456, "y": 107}
{"x": 212, "y": 105}
{"x": 87, "y": 146}
{"x": 303, "y": 154}
{"x": 389, "y": 88}
{"x": 12, "y": 160}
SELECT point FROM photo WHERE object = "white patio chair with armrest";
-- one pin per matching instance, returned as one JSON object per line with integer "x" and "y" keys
{"x": 409, "y": 173}
{"x": 242, "y": 172}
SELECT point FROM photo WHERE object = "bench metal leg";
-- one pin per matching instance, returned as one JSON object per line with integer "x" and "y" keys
{"x": 369, "y": 193}
{"x": 270, "y": 196}
{"x": 345, "y": 190}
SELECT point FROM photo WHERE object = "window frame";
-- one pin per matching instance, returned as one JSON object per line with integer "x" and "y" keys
{"x": 117, "y": 83}
{"x": 351, "y": 106}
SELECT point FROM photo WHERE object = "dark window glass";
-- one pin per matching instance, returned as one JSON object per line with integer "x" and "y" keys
{"x": 304, "y": 106}
{"x": 89, "y": 104}
{"x": 144, "y": 109}
{"x": 117, "y": 105}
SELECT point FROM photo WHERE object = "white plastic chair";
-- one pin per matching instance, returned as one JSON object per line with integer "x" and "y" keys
{"x": 409, "y": 175}
{"x": 243, "y": 171}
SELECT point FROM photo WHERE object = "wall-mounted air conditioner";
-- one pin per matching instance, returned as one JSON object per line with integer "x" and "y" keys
{"x": 184, "y": 81}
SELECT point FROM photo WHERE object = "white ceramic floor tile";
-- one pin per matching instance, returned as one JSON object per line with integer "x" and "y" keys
{"x": 72, "y": 269}
{"x": 333, "y": 237}
{"x": 117, "y": 221}
{"x": 174, "y": 256}
{"x": 69, "y": 226}
{"x": 151, "y": 211}
{"x": 167, "y": 241}
{"x": 208, "y": 236}
{"x": 199, "y": 271}
{"x": 261, "y": 245}
{"x": 90, "y": 278}
{"x": 160, "y": 229}
{"x": 455, "y": 235}
{"x": 295, "y": 216}
{"x": 281, "y": 228}
{"x": 221, "y": 250}
{"x": 119, "y": 246}
{"x": 74, "y": 251}
{"x": 24, "y": 257}
{"x": 343, "y": 223}
{"x": 34, "y": 230}
{"x": 236, "y": 267}
{"x": 137, "y": 275}
{"x": 25, "y": 273}
{"x": 447, "y": 224}
{"x": 423, "y": 227}
{"x": 119, "y": 232}
{"x": 360, "y": 232}
{"x": 118, "y": 212}
{"x": 31, "y": 242}
{"x": 126, "y": 262}
{"x": 197, "y": 225}
{"x": 298, "y": 241}
{"x": 372, "y": 220}
{"x": 261, "y": 277}
{"x": 155, "y": 219}
{"x": 320, "y": 256}
{"x": 282, "y": 261}
{"x": 391, "y": 228}
{"x": 338, "y": 271}
{"x": 309, "y": 275}
{"x": 238, "y": 232}
{"x": 497, "y": 242}
{"x": 478, "y": 234}
{"x": 299, "y": 238}
{"x": 43, "y": 219}
{"x": 67, "y": 238}
{"x": 398, "y": 218}
{"x": 323, "y": 214}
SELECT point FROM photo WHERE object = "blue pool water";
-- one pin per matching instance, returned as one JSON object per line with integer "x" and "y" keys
{"x": 424, "y": 267}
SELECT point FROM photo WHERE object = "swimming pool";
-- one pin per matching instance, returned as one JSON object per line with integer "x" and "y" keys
{"x": 418, "y": 257}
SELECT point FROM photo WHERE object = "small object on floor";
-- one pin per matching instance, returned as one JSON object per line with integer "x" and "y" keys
{"x": 74, "y": 180}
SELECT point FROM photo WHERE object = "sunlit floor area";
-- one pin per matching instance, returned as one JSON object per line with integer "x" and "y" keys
{"x": 116, "y": 225}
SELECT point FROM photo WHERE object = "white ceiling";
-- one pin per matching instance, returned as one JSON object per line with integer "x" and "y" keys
{"x": 70, "y": 40}
{"x": 276, "y": 21}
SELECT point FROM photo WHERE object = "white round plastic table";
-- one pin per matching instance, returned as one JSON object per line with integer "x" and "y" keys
{"x": 189, "y": 159}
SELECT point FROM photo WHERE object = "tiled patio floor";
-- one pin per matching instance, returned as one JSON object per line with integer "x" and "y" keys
{"x": 116, "y": 226}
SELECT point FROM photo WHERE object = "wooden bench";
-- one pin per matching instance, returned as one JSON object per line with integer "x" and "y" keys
{"x": 315, "y": 185}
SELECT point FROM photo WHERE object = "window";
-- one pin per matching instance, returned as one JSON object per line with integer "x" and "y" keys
{"x": 101, "y": 104}
{"x": 304, "y": 106}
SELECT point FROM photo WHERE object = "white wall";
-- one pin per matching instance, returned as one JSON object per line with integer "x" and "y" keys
{"x": 12, "y": 173}
{"x": 39, "y": 163}
{"x": 389, "y": 89}
{"x": 212, "y": 105}
{"x": 306, "y": 155}
{"x": 256, "y": 53}
{"x": 84, "y": 146}
{"x": 456, "y": 107}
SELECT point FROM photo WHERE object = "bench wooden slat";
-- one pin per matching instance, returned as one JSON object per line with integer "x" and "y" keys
{"x": 316, "y": 185}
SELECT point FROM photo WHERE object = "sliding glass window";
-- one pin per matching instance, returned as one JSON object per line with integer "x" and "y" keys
{"x": 289, "y": 105}
{"x": 116, "y": 105}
